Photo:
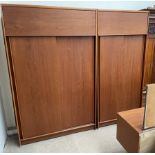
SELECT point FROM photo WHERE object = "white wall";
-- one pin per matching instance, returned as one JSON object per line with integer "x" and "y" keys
{"x": 2, "y": 128}
{"x": 127, "y": 5}
{"x": 6, "y": 93}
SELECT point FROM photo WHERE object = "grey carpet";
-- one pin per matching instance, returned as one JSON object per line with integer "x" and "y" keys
{"x": 102, "y": 140}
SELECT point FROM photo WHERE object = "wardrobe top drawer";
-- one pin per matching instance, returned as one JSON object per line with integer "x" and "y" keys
{"x": 122, "y": 22}
{"x": 44, "y": 21}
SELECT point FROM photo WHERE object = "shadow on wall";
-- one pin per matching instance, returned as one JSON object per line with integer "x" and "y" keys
{"x": 6, "y": 98}
{"x": 3, "y": 134}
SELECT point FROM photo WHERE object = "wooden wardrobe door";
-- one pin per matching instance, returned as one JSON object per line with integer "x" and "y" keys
{"x": 121, "y": 48}
{"x": 121, "y": 67}
{"x": 149, "y": 65}
{"x": 54, "y": 79}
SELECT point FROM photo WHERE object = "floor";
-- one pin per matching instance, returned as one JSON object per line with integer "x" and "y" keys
{"x": 100, "y": 140}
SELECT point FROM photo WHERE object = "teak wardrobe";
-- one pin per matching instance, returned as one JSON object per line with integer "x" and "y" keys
{"x": 149, "y": 68}
{"x": 72, "y": 69}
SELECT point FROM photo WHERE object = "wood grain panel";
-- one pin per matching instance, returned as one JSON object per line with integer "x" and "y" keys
{"x": 148, "y": 76}
{"x": 121, "y": 62}
{"x": 55, "y": 82}
{"x": 57, "y": 134}
{"x": 29, "y": 21}
{"x": 129, "y": 128}
{"x": 122, "y": 23}
{"x": 152, "y": 50}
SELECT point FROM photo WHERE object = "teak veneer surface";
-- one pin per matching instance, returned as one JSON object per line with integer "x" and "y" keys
{"x": 121, "y": 65}
{"x": 149, "y": 65}
{"x": 152, "y": 50}
{"x": 55, "y": 82}
{"x": 72, "y": 69}
{"x": 129, "y": 129}
{"x": 130, "y": 132}
{"x": 28, "y": 21}
{"x": 134, "y": 118}
{"x": 122, "y": 23}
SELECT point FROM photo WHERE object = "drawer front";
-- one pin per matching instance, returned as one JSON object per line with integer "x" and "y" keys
{"x": 29, "y": 21}
{"x": 122, "y": 23}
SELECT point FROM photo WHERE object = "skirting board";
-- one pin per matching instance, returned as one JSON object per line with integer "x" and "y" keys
{"x": 11, "y": 131}
{"x": 57, "y": 134}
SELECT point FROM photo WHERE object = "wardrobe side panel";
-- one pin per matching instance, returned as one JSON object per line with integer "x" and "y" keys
{"x": 149, "y": 64}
